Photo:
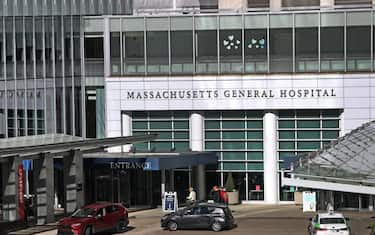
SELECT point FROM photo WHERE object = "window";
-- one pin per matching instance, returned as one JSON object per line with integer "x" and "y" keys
{"x": 182, "y": 51}
{"x": 255, "y": 43}
{"x": 208, "y": 4}
{"x": 281, "y": 50}
{"x": 332, "y": 48}
{"x": 206, "y": 54}
{"x": 94, "y": 47}
{"x": 258, "y": 3}
{"x": 115, "y": 53}
{"x": 134, "y": 53}
{"x": 300, "y": 3}
{"x": 358, "y": 48}
{"x": 306, "y": 49}
{"x": 230, "y": 51}
{"x": 352, "y": 2}
{"x": 157, "y": 52}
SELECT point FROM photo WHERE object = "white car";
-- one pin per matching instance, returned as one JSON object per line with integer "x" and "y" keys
{"x": 328, "y": 224}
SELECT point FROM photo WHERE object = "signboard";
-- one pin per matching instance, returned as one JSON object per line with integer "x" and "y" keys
{"x": 170, "y": 203}
{"x": 21, "y": 199}
{"x": 309, "y": 201}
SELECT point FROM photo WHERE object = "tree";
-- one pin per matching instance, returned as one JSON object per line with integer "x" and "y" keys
{"x": 229, "y": 185}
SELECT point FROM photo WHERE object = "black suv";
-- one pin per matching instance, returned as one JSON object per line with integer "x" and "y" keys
{"x": 200, "y": 216}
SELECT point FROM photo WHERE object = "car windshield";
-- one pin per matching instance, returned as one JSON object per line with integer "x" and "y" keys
{"x": 84, "y": 212}
{"x": 332, "y": 221}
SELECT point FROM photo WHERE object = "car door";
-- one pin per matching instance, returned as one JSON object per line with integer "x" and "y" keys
{"x": 205, "y": 217}
{"x": 190, "y": 219}
{"x": 99, "y": 220}
{"x": 109, "y": 218}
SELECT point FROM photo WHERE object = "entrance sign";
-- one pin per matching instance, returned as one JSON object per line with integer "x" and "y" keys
{"x": 170, "y": 202}
{"x": 309, "y": 201}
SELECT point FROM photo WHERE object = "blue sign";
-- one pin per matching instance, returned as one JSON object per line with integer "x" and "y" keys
{"x": 27, "y": 165}
{"x": 170, "y": 202}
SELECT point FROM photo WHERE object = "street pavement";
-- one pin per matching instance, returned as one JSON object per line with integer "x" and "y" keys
{"x": 251, "y": 220}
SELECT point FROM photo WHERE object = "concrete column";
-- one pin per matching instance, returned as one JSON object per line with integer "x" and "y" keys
{"x": 327, "y": 3}
{"x": 370, "y": 202}
{"x": 238, "y": 5}
{"x": 44, "y": 189}
{"x": 275, "y": 5}
{"x": 162, "y": 173}
{"x": 271, "y": 187}
{"x": 74, "y": 181}
{"x": 197, "y": 144}
{"x": 10, "y": 189}
{"x": 126, "y": 129}
{"x": 171, "y": 180}
{"x": 107, "y": 47}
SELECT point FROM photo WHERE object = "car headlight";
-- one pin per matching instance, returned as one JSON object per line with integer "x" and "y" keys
{"x": 76, "y": 225}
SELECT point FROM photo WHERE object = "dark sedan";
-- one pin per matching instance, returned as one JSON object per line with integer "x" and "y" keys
{"x": 200, "y": 216}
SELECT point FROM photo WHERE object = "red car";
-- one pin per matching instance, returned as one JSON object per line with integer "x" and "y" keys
{"x": 95, "y": 218}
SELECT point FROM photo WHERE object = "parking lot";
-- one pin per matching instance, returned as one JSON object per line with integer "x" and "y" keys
{"x": 251, "y": 220}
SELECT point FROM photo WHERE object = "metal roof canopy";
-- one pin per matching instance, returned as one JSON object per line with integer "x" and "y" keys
{"x": 346, "y": 165}
{"x": 60, "y": 144}
{"x": 154, "y": 161}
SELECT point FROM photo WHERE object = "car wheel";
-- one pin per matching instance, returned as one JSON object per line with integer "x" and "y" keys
{"x": 88, "y": 231}
{"x": 172, "y": 226}
{"x": 216, "y": 226}
{"x": 121, "y": 226}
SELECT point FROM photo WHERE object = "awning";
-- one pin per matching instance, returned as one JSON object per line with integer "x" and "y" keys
{"x": 152, "y": 161}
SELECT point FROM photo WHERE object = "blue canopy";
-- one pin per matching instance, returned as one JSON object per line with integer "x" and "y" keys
{"x": 153, "y": 161}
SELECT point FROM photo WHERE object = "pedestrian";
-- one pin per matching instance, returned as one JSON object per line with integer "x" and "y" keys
{"x": 215, "y": 194}
{"x": 223, "y": 196}
{"x": 192, "y": 196}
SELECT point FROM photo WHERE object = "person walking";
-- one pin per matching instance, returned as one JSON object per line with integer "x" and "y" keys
{"x": 215, "y": 194}
{"x": 192, "y": 196}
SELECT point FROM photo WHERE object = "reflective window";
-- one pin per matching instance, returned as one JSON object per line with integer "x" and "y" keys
{"x": 19, "y": 48}
{"x": 39, "y": 46}
{"x": 281, "y": 50}
{"x": 352, "y": 2}
{"x": 332, "y": 48}
{"x": 258, "y": 3}
{"x": 206, "y": 51}
{"x": 182, "y": 51}
{"x": 1, "y": 51}
{"x": 256, "y": 51}
{"x": 358, "y": 46}
{"x": 230, "y": 51}
{"x": 48, "y": 46}
{"x": 157, "y": 52}
{"x": 29, "y": 47}
{"x": 58, "y": 44}
{"x": 115, "y": 53}
{"x": 9, "y": 46}
{"x": 94, "y": 47}
{"x": 94, "y": 56}
{"x": 77, "y": 46}
{"x": 67, "y": 46}
{"x": 134, "y": 53}
{"x": 300, "y": 3}
{"x": 306, "y": 49}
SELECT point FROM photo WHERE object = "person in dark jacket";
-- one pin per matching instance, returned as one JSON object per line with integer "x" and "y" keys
{"x": 215, "y": 194}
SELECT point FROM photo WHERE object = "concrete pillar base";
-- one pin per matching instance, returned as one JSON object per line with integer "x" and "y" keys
{"x": 44, "y": 189}
{"x": 10, "y": 189}
{"x": 74, "y": 182}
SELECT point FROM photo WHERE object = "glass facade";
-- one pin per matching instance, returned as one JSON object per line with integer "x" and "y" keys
{"x": 304, "y": 131}
{"x": 172, "y": 128}
{"x": 237, "y": 138}
{"x": 301, "y": 42}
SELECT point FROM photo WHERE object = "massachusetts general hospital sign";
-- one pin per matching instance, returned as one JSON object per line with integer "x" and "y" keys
{"x": 229, "y": 93}
{"x": 232, "y": 92}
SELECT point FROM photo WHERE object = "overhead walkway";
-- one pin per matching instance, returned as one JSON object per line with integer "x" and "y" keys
{"x": 346, "y": 165}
